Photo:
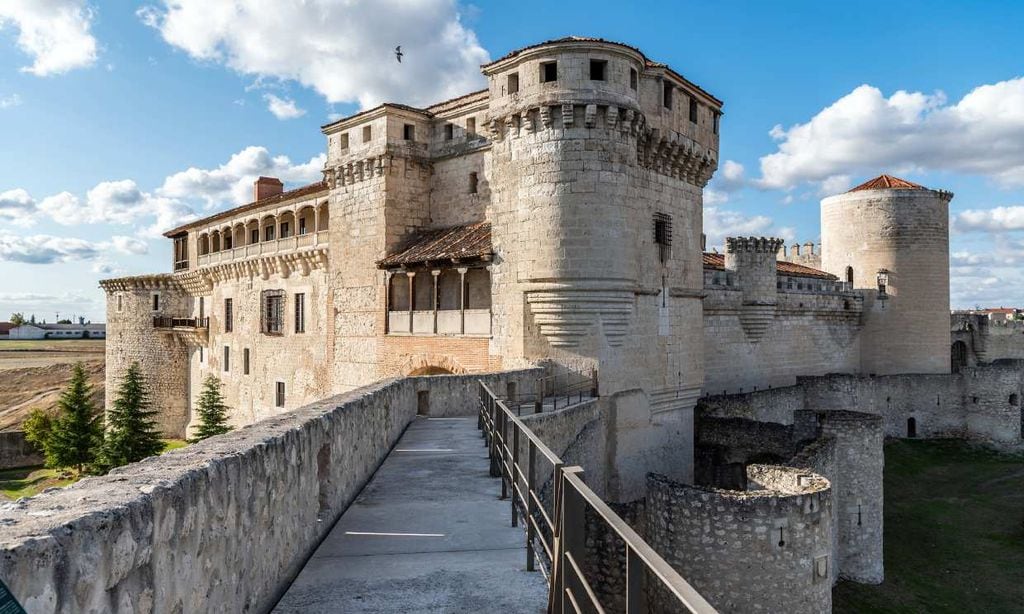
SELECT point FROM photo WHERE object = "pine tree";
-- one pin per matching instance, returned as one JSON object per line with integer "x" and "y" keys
{"x": 131, "y": 434}
{"x": 77, "y": 433}
{"x": 213, "y": 413}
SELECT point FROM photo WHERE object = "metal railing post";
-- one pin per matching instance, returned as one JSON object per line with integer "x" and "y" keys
{"x": 634, "y": 582}
{"x": 503, "y": 451}
{"x": 530, "y": 531}
{"x": 515, "y": 473}
{"x": 573, "y": 541}
{"x": 538, "y": 404}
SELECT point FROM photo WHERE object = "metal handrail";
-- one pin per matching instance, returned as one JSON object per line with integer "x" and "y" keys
{"x": 562, "y": 534}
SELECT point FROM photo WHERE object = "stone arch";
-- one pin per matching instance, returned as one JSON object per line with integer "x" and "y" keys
{"x": 911, "y": 427}
{"x": 305, "y": 220}
{"x": 849, "y": 274}
{"x": 250, "y": 226}
{"x": 432, "y": 364}
{"x": 204, "y": 244}
{"x": 323, "y": 217}
{"x": 215, "y": 241}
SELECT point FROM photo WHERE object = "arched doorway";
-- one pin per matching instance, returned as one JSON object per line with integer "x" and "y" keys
{"x": 430, "y": 370}
{"x": 911, "y": 427}
{"x": 958, "y": 355}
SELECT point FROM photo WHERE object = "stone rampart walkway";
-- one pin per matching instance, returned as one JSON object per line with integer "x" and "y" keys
{"x": 427, "y": 534}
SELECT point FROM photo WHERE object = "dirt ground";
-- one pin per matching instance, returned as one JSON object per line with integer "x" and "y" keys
{"x": 33, "y": 374}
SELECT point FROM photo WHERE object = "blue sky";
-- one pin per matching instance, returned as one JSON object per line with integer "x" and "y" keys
{"x": 121, "y": 119}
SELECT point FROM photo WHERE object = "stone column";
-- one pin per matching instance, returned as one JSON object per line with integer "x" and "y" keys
{"x": 387, "y": 300}
{"x": 435, "y": 273}
{"x": 462, "y": 299}
{"x": 412, "y": 296}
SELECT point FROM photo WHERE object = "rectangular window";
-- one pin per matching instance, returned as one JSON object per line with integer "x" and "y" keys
{"x": 272, "y": 316}
{"x": 254, "y": 236}
{"x": 367, "y": 133}
{"x": 286, "y": 230}
{"x": 300, "y": 313}
{"x": 632, "y": 78}
{"x": 666, "y": 94}
{"x": 227, "y": 359}
{"x": 279, "y": 396}
{"x": 693, "y": 109}
{"x": 513, "y": 83}
{"x": 156, "y": 302}
{"x": 473, "y": 181}
{"x": 181, "y": 253}
{"x": 471, "y": 125}
{"x": 202, "y": 307}
{"x": 268, "y": 233}
{"x": 227, "y": 241}
{"x": 245, "y": 361}
{"x": 229, "y": 316}
{"x": 548, "y": 72}
{"x": 663, "y": 235}
{"x": 597, "y": 70}
{"x": 343, "y": 139}
{"x": 409, "y": 132}
{"x": 449, "y": 132}
{"x": 716, "y": 118}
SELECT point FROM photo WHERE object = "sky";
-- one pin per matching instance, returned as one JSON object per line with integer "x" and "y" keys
{"x": 120, "y": 120}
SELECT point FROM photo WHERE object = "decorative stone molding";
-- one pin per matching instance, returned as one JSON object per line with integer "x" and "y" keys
{"x": 676, "y": 155}
{"x": 164, "y": 281}
{"x": 672, "y": 399}
{"x": 566, "y": 315}
{"x": 303, "y": 262}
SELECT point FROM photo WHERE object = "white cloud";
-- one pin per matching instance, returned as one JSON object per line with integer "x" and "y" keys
{"x": 8, "y": 102}
{"x": 231, "y": 182}
{"x": 344, "y": 49}
{"x": 720, "y": 223}
{"x": 997, "y": 219}
{"x": 17, "y": 207}
{"x": 866, "y": 133}
{"x": 55, "y": 33}
{"x": 130, "y": 245}
{"x": 45, "y": 249}
{"x": 64, "y": 208}
{"x": 714, "y": 197}
{"x": 283, "y": 108}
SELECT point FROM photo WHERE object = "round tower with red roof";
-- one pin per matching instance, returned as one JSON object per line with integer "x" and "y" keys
{"x": 889, "y": 238}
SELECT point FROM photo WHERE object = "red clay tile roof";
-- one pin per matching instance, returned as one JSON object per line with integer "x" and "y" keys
{"x": 307, "y": 190}
{"x": 717, "y": 261}
{"x": 887, "y": 182}
{"x": 461, "y": 243}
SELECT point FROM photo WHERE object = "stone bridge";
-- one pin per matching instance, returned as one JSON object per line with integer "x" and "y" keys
{"x": 353, "y": 504}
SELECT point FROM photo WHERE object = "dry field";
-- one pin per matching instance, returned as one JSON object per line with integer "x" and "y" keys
{"x": 33, "y": 373}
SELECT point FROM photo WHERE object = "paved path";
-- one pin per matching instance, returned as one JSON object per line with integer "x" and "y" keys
{"x": 427, "y": 534}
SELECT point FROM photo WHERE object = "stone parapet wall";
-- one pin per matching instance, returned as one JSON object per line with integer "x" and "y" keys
{"x": 16, "y": 451}
{"x": 222, "y": 525}
{"x": 783, "y": 529}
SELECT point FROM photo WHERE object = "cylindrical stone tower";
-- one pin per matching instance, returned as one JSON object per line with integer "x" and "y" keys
{"x": 598, "y": 161}
{"x": 753, "y": 261}
{"x": 890, "y": 238}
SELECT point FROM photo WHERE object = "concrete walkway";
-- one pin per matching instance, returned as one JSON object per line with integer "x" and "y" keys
{"x": 427, "y": 534}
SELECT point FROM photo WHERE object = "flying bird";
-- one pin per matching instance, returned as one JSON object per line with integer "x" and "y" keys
{"x": 398, "y": 53}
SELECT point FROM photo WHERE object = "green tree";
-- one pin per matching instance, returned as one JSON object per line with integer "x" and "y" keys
{"x": 77, "y": 433}
{"x": 18, "y": 319}
{"x": 38, "y": 426}
{"x": 213, "y": 413}
{"x": 132, "y": 433}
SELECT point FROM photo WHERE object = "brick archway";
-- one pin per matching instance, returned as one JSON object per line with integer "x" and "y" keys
{"x": 432, "y": 364}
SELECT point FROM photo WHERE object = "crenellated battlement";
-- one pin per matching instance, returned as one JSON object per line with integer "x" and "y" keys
{"x": 764, "y": 245}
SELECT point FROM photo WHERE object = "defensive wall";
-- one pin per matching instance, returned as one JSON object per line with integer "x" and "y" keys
{"x": 981, "y": 403}
{"x": 221, "y": 525}
{"x": 16, "y": 451}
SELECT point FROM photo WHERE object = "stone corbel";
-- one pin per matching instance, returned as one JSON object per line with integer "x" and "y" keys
{"x": 545, "y": 117}
{"x": 567, "y": 116}
{"x": 590, "y": 115}
{"x": 611, "y": 117}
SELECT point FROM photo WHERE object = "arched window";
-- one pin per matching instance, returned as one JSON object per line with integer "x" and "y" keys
{"x": 911, "y": 427}
{"x": 849, "y": 274}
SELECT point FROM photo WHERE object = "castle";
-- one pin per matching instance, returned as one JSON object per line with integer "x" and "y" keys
{"x": 555, "y": 219}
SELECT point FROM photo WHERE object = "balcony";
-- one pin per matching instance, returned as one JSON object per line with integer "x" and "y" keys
{"x": 193, "y": 330}
{"x": 470, "y": 322}
{"x": 265, "y": 248}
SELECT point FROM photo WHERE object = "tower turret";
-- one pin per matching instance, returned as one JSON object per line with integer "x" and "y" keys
{"x": 753, "y": 262}
{"x": 890, "y": 238}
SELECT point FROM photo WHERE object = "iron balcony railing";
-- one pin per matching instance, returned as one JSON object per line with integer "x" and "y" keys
{"x": 554, "y": 501}
{"x": 168, "y": 322}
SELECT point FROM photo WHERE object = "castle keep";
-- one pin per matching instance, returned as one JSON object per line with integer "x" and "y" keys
{"x": 554, "y": 221}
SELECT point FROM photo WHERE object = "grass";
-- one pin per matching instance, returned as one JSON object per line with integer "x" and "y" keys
{"x": 52, "y": 345}
{"x": 954, "y": 532}
{"x": 30, "y": 481}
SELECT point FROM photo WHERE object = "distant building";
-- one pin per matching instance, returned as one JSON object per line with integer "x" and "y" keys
{"x": 5, "y": 329}
{"x": 59, "y": 331}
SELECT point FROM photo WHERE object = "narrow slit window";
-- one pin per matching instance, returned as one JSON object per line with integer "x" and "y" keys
{"x": 279, "y": 395}
{"x": 663, "y": 235}
{"x": 633, "y": 77}
{"x": 229, "y": 323}
{"x": 156, "y": 302}
{"x": 473, "y": 183}
{"x": 300, "y": 313}
{"x": 693, "y": 110}
{"x": 254, "y": 236}
{"x": 343, "y": 141}
{"x": 245, "y": 361}
{"x": 449, "y": 132}
{"x": 666, "y": 94}
{"x": 227, "y": 359}
{"x": 717, "y": 120}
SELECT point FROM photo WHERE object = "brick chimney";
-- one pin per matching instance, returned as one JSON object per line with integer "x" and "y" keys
{"x": 266, "y": 186}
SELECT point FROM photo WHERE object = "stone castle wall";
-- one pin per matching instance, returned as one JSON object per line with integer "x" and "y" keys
{"x": 222, "y": 525}
{"x": 783, "y": 527}
{"x": 16, "y": 451}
